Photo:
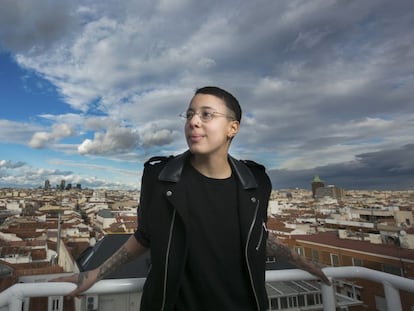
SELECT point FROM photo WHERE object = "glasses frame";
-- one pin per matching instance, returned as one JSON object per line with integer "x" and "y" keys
{"x": 206, "y": 117}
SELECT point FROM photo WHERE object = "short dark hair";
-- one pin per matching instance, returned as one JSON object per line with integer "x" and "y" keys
{"x": 231, "y": 102}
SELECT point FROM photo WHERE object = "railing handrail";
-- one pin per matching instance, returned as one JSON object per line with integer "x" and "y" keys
{"x": 348, "y": 272}
{"x": 14, "y": 295}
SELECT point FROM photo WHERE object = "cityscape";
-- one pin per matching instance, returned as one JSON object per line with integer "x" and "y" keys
{"x": 90, "y": 91}
{"x": 62, "y": 229}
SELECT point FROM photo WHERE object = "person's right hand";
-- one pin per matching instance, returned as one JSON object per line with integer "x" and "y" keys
{"x": 83, "y": 280}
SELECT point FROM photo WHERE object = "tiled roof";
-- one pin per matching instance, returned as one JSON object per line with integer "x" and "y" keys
{"x": 28, "y": 243}
{"x": 331, "y": 239}
{"x": 410, "y": 230}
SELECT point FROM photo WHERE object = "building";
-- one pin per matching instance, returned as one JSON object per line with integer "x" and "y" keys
{"x": 330, "y": 191}
{"x": 316, "y": 183}
{"x": 328, "y": 249}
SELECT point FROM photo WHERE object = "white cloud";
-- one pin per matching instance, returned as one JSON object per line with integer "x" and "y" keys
{"x": 157, "y": 138}
{"x": 40, "y": 139}
{"x": 59, "y": 131}
{"x": 112, "y": 141}
{"x": 31, "y": 177}
{"x": 10, "y": 164}
{"x": 17, "y": 132}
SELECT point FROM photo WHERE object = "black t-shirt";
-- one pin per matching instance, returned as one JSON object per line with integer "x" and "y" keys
{"x": 215, "y": 275}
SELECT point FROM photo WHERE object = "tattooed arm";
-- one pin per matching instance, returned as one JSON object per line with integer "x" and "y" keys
{"x": 130, "y": 250}
{"x": 277, "y": 249}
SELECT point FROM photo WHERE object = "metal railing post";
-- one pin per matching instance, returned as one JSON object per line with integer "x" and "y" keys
{"x": 16, "y": 304}
{"x": 328, "y": 297}
{"x": 392, "y": 297}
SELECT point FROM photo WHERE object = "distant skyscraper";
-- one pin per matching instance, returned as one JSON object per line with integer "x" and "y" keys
{"x": 329, "y": 191}
{"x": 62, "y": 184}
{"x": 316, "y": 183}
{"x": 47, "y": 184}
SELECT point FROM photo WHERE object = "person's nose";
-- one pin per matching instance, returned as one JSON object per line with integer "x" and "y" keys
{"x": 195, "y": 120}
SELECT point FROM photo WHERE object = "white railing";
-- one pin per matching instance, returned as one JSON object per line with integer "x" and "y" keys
{"x": 12, "y": 298}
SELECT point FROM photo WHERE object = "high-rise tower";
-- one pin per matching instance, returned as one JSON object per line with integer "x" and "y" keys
{"x": 316, "y": 183}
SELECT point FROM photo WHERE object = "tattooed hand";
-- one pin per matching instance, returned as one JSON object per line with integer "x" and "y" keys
{"x": 83, "y": 280}
{"x": 314, "y": 269}
{"x": 277, "y": 249}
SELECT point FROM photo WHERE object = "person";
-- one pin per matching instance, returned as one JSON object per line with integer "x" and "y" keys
{"x": 202, "y": 215}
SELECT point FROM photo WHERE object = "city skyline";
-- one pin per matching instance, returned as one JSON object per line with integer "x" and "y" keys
{"x": 90, "y": 90}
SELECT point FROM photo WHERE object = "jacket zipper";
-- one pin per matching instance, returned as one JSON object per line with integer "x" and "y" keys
{"x": 247, "y": 258}
{"x": 167, "y": 255}
{"x": 264, "y": 229}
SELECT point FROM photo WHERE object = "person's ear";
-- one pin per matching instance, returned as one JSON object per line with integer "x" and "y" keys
{"x": 234, "y": 129}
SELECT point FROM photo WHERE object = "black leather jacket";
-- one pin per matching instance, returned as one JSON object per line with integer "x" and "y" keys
{"x": 162, "y": 219}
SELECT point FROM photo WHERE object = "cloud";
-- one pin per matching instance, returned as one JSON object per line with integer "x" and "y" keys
{"x": 121, "y": 140}
{"x": 28, "y": 25}
{"x": 382, "y": 170}
{"x": 323, "y": 84}
{"x": 92, "y": 166}
{"x": 112, "y": 141}
{"x": 21, "y": 175}
{"x": 158, "y": 138}
{"x": 42, "y": 139}
{"x": 17, "y": 132}
{"x": 34, "y": 178}
{"x": 10, "y": 164}
{"x": 158, "y": 134}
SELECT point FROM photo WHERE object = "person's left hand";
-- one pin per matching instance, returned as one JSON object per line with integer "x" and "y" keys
{"x": 312, "y": 268}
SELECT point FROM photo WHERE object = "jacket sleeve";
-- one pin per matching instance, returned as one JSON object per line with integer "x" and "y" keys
{"x": 142, "y": 234}
{"x": 149, "y": 178}
{"x": 259, "y": 171}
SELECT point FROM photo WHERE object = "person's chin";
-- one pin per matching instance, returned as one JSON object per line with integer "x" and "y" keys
{"x": 194, "y": 149}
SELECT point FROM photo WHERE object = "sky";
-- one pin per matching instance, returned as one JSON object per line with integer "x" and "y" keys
{"x": 90, "y": 90}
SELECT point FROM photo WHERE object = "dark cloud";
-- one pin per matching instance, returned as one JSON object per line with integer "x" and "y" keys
{"x": 363, "y": 43}
{"x": 383, "y": 170}
{"x": 29, "y": 24}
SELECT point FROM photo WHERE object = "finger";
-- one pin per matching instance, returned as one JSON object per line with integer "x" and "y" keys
{"x": 76, "y": 293}
{"x": 326, "y": 280}
{"x": 71, "y": 278}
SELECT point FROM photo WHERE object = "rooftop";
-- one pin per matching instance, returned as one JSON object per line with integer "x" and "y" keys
{"x": 331, "y": 238}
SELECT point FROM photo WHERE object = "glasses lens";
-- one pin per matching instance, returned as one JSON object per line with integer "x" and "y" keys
{"x": 189, "y": 115}
{"x": 206, "y": 115}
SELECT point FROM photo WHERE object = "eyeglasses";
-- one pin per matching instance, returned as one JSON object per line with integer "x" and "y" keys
{"x": 205, "y": 115}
